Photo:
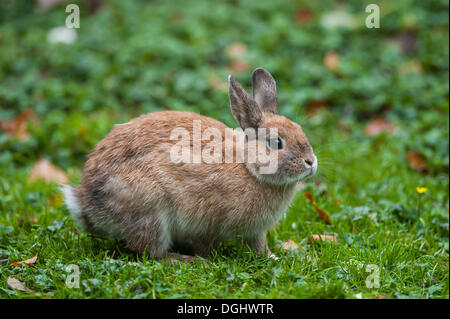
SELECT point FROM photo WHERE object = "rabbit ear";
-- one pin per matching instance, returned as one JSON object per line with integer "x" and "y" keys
{"x": 245, "y": 110}
{"x": 265, "y": 90}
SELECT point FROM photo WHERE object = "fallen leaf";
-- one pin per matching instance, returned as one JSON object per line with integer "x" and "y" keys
{"x": 331, "y": 61}
{"x": 304, "y": 15}
{"x": 383, "y": 297}
{"x": 239, "y": 66}
{"x": 321, "y": 212}
{"x": 314, "y": 106}
{"x": 236, "y": 50}
{"x": 378, "y": 125}
{"x": 288, "y": 245}
{"x": 416, "y": 161}
{"x": 17, "y": 285}
{"x": 17, "y": 127}
{"x": 323, "y": 238}
{"x": 30, "y": 261}
{"x": 94, "y": 5}
{"x": 48, "y": 172}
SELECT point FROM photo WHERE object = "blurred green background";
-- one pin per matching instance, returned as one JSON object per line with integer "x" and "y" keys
{"x": 374, "y": 104}
{"x": 132, "y": 57}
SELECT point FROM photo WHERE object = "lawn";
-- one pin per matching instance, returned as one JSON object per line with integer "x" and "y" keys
{"x": 373, "y": 102}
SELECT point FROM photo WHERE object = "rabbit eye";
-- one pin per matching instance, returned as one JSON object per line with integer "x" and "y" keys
{"x": 275, "y": 143}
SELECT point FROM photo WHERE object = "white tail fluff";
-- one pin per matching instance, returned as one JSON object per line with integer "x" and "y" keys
{"x": 72, "y": 204}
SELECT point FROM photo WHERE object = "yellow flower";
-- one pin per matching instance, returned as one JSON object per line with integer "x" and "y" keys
{"x": 421, "y": 190}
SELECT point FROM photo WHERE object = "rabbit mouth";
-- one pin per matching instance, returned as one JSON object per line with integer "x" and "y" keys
{"x": 286, "y": 179}
{"x": 309, "y": 172}
{"x": 299, "y": 177}
{"x": 307, "y": 168}
{"x": 287, "y": 173}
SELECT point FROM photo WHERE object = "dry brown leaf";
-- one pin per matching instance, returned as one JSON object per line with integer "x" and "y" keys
{"x": 314, "y": 106}
{"x": 239, "y": 66}
{"x": 304, "y": 15}
{"x": 416, "y": 161}
{"x": 378, "y": 125}
{"x": 94, "y": 5}
{"x": 30, "y": 261}
{"x": 17, "y": 285}
{"x": 48, "y": 172}
{"x": 288, "y": 245}
{"x": 331, "y": 61}
{"x": 17, "y": 127}
{"x": 323, "y": 238}
{"x": 236, "y": 50}
{"x": 321, "y": 212}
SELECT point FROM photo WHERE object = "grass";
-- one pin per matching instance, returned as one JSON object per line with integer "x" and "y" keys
{"x": 366, "y": 187}
{"x": 364, "y": 183}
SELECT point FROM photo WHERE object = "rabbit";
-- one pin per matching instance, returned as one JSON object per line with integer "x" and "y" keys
{"x": 132, "y": 190}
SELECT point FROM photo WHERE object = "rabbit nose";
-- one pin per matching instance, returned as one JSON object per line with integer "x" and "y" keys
{"x": 309, "y": 162}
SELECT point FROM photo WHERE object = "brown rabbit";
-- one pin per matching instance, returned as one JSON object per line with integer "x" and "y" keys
{"x": 133, "y": 189}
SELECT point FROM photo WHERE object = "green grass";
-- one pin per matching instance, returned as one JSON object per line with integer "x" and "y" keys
{"x": 380, "y": 219}
{"x": 364, "y": 183}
